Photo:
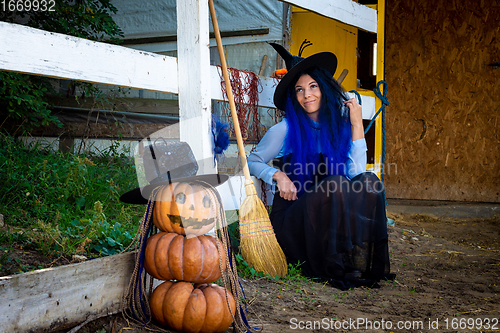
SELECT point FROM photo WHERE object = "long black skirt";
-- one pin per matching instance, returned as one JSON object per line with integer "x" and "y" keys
{"x": 337, "y": 231}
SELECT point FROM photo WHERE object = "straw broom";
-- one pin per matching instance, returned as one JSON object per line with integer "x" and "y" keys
{"x": 258, "y": 243}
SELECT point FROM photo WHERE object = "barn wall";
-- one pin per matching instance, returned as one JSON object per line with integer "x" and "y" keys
{"x": 443, "y": 123}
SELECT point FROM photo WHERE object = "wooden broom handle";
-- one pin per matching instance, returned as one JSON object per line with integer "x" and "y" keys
{"x": 229, "y": 91}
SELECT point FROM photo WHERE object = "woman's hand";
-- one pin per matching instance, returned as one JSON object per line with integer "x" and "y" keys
{"x": 356, "y": 116}
{"x": 287, "y": 189}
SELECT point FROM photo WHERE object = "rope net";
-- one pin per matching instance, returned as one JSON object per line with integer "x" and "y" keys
{"x": 243, "y": 83}
{"x": 246, "y": 85}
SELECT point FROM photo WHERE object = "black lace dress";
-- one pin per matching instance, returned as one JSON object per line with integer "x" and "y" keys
{"x": 337, "y": 230}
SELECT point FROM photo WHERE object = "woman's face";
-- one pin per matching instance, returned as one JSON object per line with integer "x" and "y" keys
{"x": 308, "y": 95}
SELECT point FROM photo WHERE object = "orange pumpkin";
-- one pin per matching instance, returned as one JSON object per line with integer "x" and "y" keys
{"x": 184, "y": 208}
{"x": 171, "y": 256}
{"x": 192, "y": 309}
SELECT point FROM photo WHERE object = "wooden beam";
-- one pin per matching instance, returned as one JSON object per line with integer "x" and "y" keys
{"x": 193, "y": 55}
{"x": 346, "y": 11}
{"x": 64, "y": 296}
{"x": 33, "y": 51}
{"x": 378, "y": 167}
{"x": 27, "y": 50}
{"x": 166, "y": 39}
{"x": 126, "y": 104}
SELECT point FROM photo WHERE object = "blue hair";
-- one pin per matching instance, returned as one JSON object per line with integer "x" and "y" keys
{"x": 334, "y": 126}
{"x": 220, "y": 137}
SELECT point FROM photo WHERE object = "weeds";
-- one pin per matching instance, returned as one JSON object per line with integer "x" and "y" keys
{"x": 294, "y": 274}
{"x": 246, "y": 271}
{"x": 61, "y": 201}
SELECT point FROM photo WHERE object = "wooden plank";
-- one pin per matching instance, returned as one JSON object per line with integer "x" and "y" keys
{"x": 172, "y": 46}
{"x": 194, "y": 81}
{"x": 138, "y": 105}
{"x": 165, "y": 39}
{"x": 28, "y": 50}
{"x": 64, "y": 296}
{"x": 346, "y": 11}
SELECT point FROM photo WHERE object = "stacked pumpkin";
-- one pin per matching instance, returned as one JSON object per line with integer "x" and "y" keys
{"x": 182, "y": 255}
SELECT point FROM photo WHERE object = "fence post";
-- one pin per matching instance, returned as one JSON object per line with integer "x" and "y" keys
{"x": 193, "y": 56}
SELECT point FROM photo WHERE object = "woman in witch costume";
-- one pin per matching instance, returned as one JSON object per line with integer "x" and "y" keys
{"x": 328, "y": 213}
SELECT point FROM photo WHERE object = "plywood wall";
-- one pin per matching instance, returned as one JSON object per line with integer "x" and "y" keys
{"x": 442, "y": 124}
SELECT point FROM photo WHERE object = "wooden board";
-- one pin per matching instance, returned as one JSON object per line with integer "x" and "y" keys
{"x": 443, "y": 128}
{"x": 193, "y": 62}
{"x": 345, "y": 11}
{"x": 64, "y": 296}
{"x": 118, "y": 131}
{"x": 139, "y": 105}
{"x": 28, "y": 50}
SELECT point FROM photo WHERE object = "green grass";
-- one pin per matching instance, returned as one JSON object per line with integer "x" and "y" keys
{"x": 63, "y": 204}
{"x": 245, "y": 270}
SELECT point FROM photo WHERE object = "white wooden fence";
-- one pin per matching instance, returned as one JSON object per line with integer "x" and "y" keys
{"x": 28, "y": 50}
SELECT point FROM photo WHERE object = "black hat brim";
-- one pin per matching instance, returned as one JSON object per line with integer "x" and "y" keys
{"x": 140, "y": 195}
{"x": 325, "y": 60}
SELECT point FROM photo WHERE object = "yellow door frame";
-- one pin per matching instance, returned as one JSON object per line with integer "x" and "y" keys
{"x": 349, "y": 57}
{"x": 377, "y": 166}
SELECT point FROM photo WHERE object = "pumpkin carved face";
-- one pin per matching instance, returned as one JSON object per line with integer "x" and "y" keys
{"x": 186, "y": 209}
{"x": 193, "y": 309}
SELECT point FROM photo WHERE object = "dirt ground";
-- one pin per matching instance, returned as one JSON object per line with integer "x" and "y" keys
{"x": 447, "y": 281}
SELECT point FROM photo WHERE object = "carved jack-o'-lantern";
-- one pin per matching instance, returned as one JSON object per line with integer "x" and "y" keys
{"x": 185, "y": 208}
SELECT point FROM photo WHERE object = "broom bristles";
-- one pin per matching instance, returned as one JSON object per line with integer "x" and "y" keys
{"x": 258, "y": 244}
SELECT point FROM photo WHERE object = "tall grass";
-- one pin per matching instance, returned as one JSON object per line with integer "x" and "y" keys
{"x": 65, "y": 203}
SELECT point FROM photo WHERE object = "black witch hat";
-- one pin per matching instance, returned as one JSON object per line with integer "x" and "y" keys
{"x": 166, "y": 162}
{"x": 296, "y": 65}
